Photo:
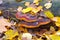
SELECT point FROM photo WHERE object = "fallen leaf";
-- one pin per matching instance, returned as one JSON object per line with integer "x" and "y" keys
{"x": 48, "y": 14}
{"x": 28, "y": 9}
{"x": 48, "y": 5}
{"x": 11, "y": 34}
{"x": 4, "y": 22}
{"x": 57, "y": 21}
{"x": 55, "y": 37}
{"x": 27, "y": 36}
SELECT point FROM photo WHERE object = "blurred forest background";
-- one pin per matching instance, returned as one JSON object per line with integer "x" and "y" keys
{"x": 12, "y": 3}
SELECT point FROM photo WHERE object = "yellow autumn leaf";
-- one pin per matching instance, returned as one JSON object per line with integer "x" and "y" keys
{"x": 20, "y": 36}
{"x": 37, "y": 3}
{"x": 27, "y": 3}
{"x": 19, "y": 39}
{"x": 55, "y": 37}
{"x": 34, "y": 10}
{"x": 28, "y": 9}
{"x": 39, "y": 39}
{"x": 57, "y": 21}
{"x": 48, "y": 14}
{"x": 10, "y": 34}
{"x": 58, "y": 32}
{"x": 57, "y": 24}
{"x": 52, "y": 28}
{"x": 39, "y": 7}
{"x": 32, "y": 13}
